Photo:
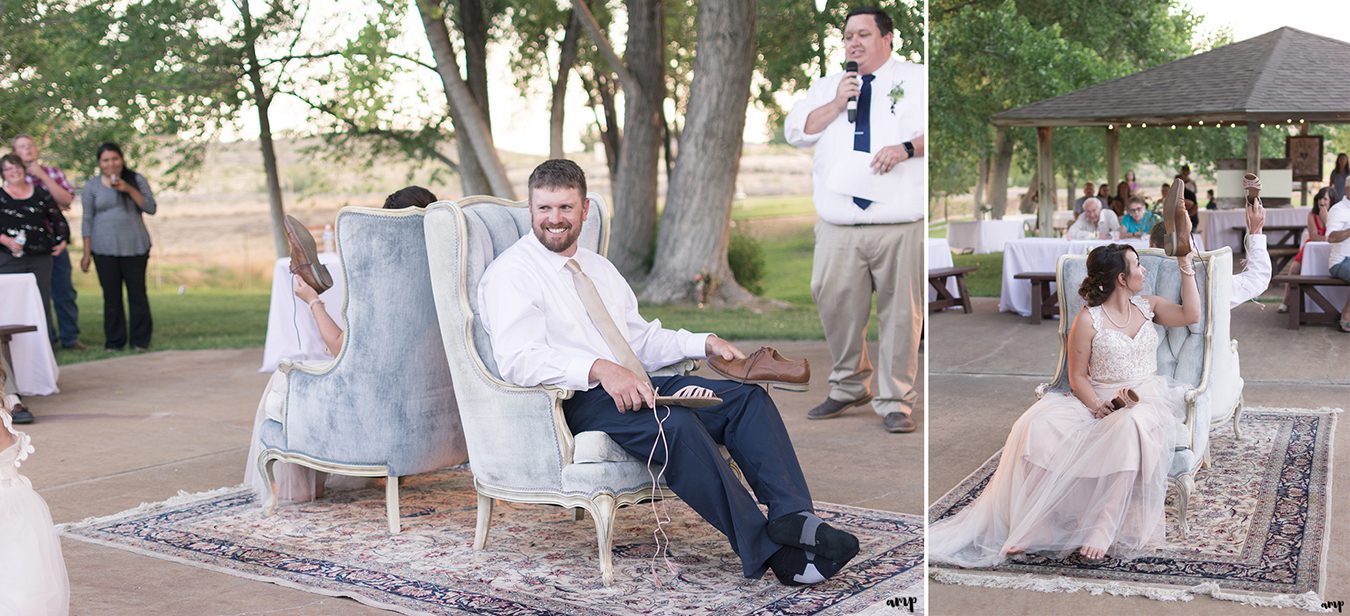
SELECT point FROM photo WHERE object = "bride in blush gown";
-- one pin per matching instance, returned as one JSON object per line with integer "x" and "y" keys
{"x": 1074, "y": 473}
{"x": 32, "y": 571}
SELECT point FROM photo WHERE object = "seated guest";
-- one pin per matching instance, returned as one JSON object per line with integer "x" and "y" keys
{"x": 1089, "y": 191}
{"x": 1317, "y": 232}
{"x": 1095, "y": 223}
{"x": 1338, "y": 234}
{"x": 1123, "y": 194}
{"x": 1138, "y": 220}
{"x": 1210, "y": 204}
{"x": 561, "y": 315}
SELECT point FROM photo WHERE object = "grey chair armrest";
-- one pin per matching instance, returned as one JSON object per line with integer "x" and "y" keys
{"x": 679, "y": 368}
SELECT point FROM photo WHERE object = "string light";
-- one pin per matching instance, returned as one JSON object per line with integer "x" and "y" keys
{"x": 1189, "y": 127}
{"x": 1143, "y": 125}
{"x": 1110, "y": 127}
{"x": 1202, "y": 122}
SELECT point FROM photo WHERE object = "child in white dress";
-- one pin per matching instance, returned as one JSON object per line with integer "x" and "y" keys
{"x": 32, "y": 572}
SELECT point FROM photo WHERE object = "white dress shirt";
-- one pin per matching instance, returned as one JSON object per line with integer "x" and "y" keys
{"x": 1338, "y": 219}
{"x": 1255, "y": 278}
{"x": 890, "y": 124}
{"x": 541, "y": 333}
{"x": 1107, "y": 224}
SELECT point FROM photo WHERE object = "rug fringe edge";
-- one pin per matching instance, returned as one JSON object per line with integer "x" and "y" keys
{"x": 183, "y": 496}
{"x": 1308, "y": 601}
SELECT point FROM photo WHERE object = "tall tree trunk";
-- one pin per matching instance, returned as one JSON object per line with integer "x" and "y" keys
{"x": 263, "y": 102}
{"x": 695, "y": 226}
{"x": 642, "y": 76}
{"x": 606, "y": 118}
{"x": 473, "y": 179}
{"x": 567, "y": 56}
{"x": 998, "y": 172}
{"x": 470, "y": 120}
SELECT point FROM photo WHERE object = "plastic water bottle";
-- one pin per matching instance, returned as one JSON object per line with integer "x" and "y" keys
{"x": 328, "y": 239}
{"x": 22, "y": 239}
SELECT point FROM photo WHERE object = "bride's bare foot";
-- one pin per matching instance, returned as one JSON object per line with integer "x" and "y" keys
{"x": 1016, "y": 550}
{"x": 1092, "y": 553}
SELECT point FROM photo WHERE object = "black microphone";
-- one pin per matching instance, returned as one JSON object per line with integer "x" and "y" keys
{"x": 852, "y": 67}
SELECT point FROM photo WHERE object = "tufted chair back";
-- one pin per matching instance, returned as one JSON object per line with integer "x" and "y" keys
{"x": 385, "y": 405}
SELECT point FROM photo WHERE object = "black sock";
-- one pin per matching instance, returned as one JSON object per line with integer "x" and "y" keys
{"x": 797, "y": 567}
{"x": 806, "y": 531}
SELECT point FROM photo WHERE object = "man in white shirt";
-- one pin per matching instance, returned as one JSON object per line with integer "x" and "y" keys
{"x": 535, "y": 310}
{"x": 1338, "y": 234}
{"x": 1095, "y": 223}
{"x": 868, "y": 185}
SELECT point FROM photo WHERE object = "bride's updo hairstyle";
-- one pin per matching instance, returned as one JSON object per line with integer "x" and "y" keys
{"x": 1104, "y": 265}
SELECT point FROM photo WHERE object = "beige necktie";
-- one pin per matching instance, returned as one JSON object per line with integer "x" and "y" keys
{"x": 595, "y": 307}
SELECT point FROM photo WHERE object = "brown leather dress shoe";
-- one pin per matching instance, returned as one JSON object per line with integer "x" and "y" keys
{"x": 898, "y": 422}
{"x": 765, "y": 366}
{"x": 1176, "y": 221}
{"x": 20, "y": 414}
{"x": 305, "y": 257}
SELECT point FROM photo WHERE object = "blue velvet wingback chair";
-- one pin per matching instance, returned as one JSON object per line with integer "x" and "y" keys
{"x": 385, "y": 406}
{"x": 519, "y": 441}
{"x": 1202, "y": 356}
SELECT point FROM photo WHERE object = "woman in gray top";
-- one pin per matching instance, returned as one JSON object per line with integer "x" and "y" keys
{"x": 118, "y": 243}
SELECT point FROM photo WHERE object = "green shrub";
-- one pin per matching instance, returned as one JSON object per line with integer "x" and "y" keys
{"x": 746, "y": 258}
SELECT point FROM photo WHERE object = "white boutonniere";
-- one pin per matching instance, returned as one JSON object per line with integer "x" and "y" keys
{"x": 897, "y": 92}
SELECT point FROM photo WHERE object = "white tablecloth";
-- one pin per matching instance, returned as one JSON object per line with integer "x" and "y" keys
{"x": 34, "y": 363}
{"x": 984, "y": 236}
{"x": 1315, "y": 256}
{"x": 940, "y": 256}
{"x": 1040, "y": 254}
{"x": 1216, "y": 226}
{"x": 291, "y": 332}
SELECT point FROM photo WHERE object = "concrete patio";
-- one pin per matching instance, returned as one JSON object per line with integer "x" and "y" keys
{"x": 983, "y": 370}
{"x": 142, "y": 428}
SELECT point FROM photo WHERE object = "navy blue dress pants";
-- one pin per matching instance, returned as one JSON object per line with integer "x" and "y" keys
{"x": 747, "y": 422}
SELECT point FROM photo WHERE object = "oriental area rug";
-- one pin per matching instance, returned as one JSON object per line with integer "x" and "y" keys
{"x": 538, "y": 559}
{"x": 1258, "y": 517}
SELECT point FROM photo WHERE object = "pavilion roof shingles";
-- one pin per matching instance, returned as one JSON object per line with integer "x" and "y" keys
{"x": 1280, "y": 75}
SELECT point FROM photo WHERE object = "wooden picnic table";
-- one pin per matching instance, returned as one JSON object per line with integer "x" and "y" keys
{"x": 1282, "y": 242}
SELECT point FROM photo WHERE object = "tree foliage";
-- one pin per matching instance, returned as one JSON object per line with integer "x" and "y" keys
{"x": 994, "y": 55}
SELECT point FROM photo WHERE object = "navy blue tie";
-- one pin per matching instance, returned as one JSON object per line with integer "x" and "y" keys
{"x": 862, "y": 130}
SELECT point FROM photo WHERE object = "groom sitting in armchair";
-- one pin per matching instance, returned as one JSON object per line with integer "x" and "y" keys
{"x": 564, "y": 316}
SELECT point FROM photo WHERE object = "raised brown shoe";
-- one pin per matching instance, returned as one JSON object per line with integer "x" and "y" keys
{"x": 765, "y": 366}
{"x": 1176, "y": 221}
{"x": 305, "y": 257}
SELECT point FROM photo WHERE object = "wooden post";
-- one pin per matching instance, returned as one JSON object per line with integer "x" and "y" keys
{"x": 998, "y": 171}
{"x": 1045, "y": 170}
{"x": 1112, "y": 160}
{"x": 1254, "y": 148}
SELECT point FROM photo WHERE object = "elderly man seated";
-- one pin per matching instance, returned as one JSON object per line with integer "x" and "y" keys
{"x": 1138, "y": 220}
{"x": 558, "y": 314}
{"x": 1095, "y": 223}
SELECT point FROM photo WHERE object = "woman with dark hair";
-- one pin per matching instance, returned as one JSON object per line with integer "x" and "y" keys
{"x": 1338, "y": 175}
{"x": 1131, "y": 182}
{"x": 409, "y": 196}
{"x": 32, "y": 231}
{"x": 1079, "y": 470}
{"x": 117, "y": 242}
{"x": 1317, "y": 232}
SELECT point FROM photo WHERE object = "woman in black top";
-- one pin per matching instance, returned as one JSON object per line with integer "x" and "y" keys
{"x": 32, "y": 230}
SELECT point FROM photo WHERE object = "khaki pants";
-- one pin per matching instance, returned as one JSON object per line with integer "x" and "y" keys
{"x": 850, "y": 264}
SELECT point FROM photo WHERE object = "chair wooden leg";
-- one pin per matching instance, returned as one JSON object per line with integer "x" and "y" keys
{"x": 603, "y": 510}
{"x": 1185, "y": 485}
{"x": 391, "y": 502}
{"x": 265, "y": 467}
{"x": 1237, "y": 419}
{"x": 480, "y": 532}
{"x": 578, "y": 514}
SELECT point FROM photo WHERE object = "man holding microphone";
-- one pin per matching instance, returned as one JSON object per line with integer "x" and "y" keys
{"x": 868, "y": 125}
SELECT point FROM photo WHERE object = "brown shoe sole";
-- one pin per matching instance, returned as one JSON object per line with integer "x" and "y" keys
{"x": 314, "y": 273}
{"x": 783, "y": 385}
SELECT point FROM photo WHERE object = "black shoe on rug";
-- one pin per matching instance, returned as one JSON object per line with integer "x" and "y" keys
{"x": 805, "y": 531}
{"x": 20, "y": 414}
{"x": 797, "y": 567}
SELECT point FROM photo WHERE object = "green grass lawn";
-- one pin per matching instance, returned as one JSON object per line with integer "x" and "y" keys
{"x": 986, "y": 281}
{"x": 222, "y": 310}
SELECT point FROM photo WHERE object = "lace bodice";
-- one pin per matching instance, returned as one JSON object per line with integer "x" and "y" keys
{"x": 1117, "y": 358}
